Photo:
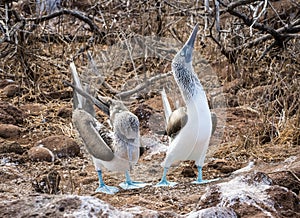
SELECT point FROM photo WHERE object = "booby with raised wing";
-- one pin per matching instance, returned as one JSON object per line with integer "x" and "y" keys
{"x": 177, "y": 119}
{"x": 116, "y": 150}
{"x": 189, "y": 127}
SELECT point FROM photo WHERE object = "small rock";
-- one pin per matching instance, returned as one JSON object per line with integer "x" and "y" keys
{"x": 65, "y": 112}
{"x": 82, "y": 174}
{"x": 287, "y": 179}
{"x": 217, "y": 164}
{"x": 9, "y": 130}
{"x": 12, "y": 158}
{"x": 222, "y": 165}
{"x": 7, "y": 173}
{"x": 40, "y": 154}
{"x": 252, "y": 195}
{"x": 287, "y": 203}
{"x": 193, "y": 198}
{"x": 11, "y": 90}
{"x": 60, "y": 145}
{"x": 188, "y": 172}
{"x": 63, "y": 94}
{"x": 259, "y": 178}
{"x": 6, "y": 82}
{"x": 72, "y": 206}
{"x": 11, "y": 147}
{"x": 9, "y": 114}
{"x": 227, "y": 169}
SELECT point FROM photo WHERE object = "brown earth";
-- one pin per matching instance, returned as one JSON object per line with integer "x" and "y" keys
{"x": 73, "y": 172}
{"x": 257, "y": 104}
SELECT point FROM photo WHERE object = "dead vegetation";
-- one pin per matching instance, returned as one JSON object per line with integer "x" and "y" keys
{"x": 256, "y": 59}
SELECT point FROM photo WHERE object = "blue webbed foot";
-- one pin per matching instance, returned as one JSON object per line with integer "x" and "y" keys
{"x": 202, "y": 181}
{"x": 129, "y": 184}
{"x": 164, "y": 181}
{"x": 133, "y": 185}
{"x": 107, "y": 189}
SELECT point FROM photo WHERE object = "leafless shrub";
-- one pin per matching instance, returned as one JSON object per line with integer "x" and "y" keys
{"x": 253, "y": 41}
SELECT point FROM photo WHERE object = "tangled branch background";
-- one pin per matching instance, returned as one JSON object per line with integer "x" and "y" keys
{"x": 252, "y": 45}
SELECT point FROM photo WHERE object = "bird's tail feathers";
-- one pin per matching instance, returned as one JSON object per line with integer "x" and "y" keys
{"x": 166, "y": 105}
{"x": 82, "y": 97}
{"x": 78, "y": 100}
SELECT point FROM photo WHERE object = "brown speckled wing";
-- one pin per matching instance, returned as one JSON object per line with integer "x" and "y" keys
{"x": 177, "y": 121}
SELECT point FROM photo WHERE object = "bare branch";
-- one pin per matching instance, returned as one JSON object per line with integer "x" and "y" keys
{"x": 259, "y": 15}
{"x": 140, "y": 87}
{"x": 217, "y": 16}
{"x": 290, "y": 29}
{"x": 258, "y": 26}
{"x": 236, "y": 4}
{"x": 267, "y": 50}
{"x": 76, "y": 14}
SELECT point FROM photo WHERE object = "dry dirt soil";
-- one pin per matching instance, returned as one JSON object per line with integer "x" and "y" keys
{"x": 258, "y": 125}
{"x": 27, "y": 172}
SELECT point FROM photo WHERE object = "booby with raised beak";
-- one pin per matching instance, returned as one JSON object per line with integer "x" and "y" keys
{"x": 189, "y": 127}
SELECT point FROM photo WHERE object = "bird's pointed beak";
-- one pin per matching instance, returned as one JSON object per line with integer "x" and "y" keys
{"x": 189, "y": 45}
{"x": 191, "y": 41}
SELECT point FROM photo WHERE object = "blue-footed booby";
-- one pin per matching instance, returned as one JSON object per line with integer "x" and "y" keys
{"x": 189, "y": 127}
{"x": 116, "y": 150}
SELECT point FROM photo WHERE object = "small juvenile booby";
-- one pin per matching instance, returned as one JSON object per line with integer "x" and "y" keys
{"x": 189, "y": 127}
{"x": 116, "y": 150}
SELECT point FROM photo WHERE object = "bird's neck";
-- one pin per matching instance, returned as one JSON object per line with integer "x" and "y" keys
{"x": 188, "y": 83}
{"x": 197, "y": 105}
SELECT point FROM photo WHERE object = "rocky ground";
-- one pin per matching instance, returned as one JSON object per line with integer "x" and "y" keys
{"x": 45, "y": 170}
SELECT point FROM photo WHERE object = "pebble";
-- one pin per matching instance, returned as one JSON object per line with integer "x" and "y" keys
{"x": 188, "y": 172}
{"x": 40, "y": 153}
{"x": 11, "y": 147}
{"x": 9, "y": 114}
{"x": 11, "y": 90}
{"x": 62, "y": 146}
{"x": 9, "y": 131}
{"x": 65, "y": 112}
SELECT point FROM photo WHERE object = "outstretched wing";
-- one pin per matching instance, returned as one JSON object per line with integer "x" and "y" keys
{"x": 85, "y": 122}
{"x": 95, "y": 144}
